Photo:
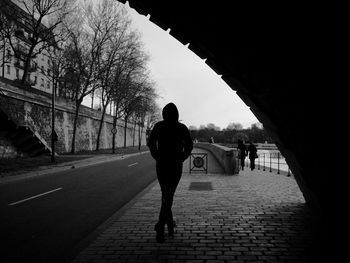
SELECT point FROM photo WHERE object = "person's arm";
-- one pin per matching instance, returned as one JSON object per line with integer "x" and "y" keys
{"x": 188, "y": 147}
{"x": 152, "y": 142}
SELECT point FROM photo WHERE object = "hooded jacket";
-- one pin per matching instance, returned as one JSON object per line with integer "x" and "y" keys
{"x": 170, "y": 141}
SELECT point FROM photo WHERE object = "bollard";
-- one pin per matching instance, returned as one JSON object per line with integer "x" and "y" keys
{"x": 258, "y": 162}
{"x": 278, "y": 163}
{"x": 270, "y": 163}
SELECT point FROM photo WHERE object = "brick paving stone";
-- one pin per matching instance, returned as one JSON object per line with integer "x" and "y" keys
{"x": 251, "y": 217}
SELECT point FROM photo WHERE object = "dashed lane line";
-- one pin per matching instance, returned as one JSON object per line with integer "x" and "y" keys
{"x": 35, "y": 196}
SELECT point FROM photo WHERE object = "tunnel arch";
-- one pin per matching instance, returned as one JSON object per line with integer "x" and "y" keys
{"x": 269, "y": 58}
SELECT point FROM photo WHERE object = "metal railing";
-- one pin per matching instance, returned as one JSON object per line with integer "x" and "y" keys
{"x": 271, "y": 161}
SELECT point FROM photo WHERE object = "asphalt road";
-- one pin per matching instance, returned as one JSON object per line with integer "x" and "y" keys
{"x": 42, "y": 219}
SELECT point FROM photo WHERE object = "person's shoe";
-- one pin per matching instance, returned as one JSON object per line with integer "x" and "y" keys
{"x": 171, "y": 230}
{"x": 160, "y": 233}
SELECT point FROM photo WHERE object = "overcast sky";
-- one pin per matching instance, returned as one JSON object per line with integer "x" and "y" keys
{"x": 201, "y": 96}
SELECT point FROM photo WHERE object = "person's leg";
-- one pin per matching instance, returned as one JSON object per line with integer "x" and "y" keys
{"x": 159, "y": 227}
{"x": 168, "y": 178}
{"x": 176, "y": 176}
{"x": 242, "y": 163}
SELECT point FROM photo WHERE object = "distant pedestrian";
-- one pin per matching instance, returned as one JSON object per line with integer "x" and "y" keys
{"x": 242, "y": 152}
{"x": 252, "y": 155}
{"x": 170, "y": 144}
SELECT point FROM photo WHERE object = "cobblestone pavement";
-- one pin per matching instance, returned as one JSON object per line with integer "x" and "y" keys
{"x": 253, "y": 217}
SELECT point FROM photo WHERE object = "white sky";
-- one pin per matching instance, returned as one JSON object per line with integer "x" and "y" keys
{"x": 201, "y": 96}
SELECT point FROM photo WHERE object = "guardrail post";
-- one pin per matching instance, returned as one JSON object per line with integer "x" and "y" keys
{"x": 264, "y": 163}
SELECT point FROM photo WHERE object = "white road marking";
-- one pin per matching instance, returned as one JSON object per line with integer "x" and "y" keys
{"x": 132, "y": 164}
{"x": 35, "y": 196}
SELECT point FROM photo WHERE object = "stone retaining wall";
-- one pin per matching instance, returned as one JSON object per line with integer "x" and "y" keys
{"x": 34, "y": 109}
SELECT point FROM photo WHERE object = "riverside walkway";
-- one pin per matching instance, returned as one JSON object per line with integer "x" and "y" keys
{"x": 254, "y": 216}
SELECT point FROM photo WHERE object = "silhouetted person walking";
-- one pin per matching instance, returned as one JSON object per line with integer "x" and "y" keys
{"x": 170, "y": 144}
{"x": 242, "y": 152}
{"x": 252, "y": 155}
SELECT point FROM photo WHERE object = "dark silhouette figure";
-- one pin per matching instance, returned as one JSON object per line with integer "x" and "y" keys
{"x": 252, "y": 155}
{"x": 170, "y": 144}
{"x": 242, "y": 152}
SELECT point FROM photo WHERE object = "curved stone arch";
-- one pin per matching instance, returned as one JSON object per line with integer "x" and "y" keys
{"x": 266, "y": 63}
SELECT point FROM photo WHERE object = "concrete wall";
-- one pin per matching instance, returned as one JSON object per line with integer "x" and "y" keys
{"x": 35, "y": 110}
{"x": 7, "y": 150}
{"x": 226, "y": 157}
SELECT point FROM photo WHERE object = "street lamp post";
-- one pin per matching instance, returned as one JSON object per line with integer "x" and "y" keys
{"x": 53, "y": 133}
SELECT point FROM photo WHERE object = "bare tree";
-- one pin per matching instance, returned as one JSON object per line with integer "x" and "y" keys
{"x": 118, "y": 96}
{"x": 34, "y": 27}
{"x": 113, "y": 62}
{"x": 132, "y": 67}
{"x": 142, "y": 94}
{"x": 212, "y": 126}
{"x": 56, "y": 68}
{"x": 146, "y": 112}
{"x": 153, "y": 115}
{"x": 234, "y": 126}
{"x": 88, "y": 38}
{"x": 4, "y": 47}
{"x": 130, "y": 104}
{"x": 102, "y": 53}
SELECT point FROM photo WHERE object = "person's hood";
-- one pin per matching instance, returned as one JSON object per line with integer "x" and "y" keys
{"x": 170, "y": 113}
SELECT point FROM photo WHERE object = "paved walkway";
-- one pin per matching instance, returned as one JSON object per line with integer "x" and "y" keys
{"x": 251, "y": 217}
